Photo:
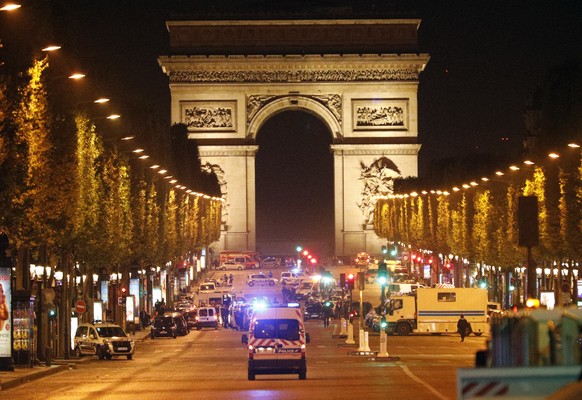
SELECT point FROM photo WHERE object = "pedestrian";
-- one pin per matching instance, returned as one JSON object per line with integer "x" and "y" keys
{"x": 231, "y": 279}
{"x": 270, "y": 274}
{"x": 224, "y": 314}
{"x": 326, "y": 314}
{"x": 463, "y": 327}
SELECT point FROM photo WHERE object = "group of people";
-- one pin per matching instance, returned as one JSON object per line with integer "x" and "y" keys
{"x": 228, "y": 279}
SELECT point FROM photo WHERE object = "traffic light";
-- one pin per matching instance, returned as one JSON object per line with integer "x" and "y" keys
{"x": 361, "y": 280}
{"x": 342, "y": 280}
{"x": 350, "y": 281}
{"x": 52, "y": 311}
{"x": 383, "y": 324}
{"x": 124, "y": 293}
{"x": 384, "y": 250}
{"x": 382, "y": 274}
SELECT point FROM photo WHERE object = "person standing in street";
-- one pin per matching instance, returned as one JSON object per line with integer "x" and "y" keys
{"x": 463, "y": 327}
{"x": 326, "y": 314}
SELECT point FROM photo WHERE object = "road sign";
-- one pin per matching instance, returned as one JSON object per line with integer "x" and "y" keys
{"x": 80, "y": 306}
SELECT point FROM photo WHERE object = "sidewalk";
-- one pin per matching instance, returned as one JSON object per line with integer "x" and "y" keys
{"x": 21, "y": 375}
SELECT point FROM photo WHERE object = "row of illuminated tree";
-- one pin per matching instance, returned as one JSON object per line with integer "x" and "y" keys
{"x": 69, "y": 197}
{"x": 478, "y": 220}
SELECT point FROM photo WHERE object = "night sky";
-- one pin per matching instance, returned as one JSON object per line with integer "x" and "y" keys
{"x": 487, "y": 57}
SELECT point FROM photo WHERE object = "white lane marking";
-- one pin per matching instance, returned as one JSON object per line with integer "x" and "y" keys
{"x": 423, "y": 383}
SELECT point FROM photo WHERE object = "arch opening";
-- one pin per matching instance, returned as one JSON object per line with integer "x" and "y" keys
{"x": 294, "y": 184}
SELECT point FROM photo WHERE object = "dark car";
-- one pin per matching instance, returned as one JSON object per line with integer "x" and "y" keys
{"x": 181, "y": 324}
{"x": 313, "y": 310}
{"x": 163, "y": 326}
{"x": 190, "y": 317}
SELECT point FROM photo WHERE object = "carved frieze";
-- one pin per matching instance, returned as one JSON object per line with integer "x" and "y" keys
{"x": 295, "y": 76}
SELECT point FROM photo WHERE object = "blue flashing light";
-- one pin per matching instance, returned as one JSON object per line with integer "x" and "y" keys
{"x": 260, "y": 305}
{"x": 293, "y": 305}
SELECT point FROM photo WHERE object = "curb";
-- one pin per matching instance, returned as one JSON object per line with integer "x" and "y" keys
{"x": 41, "y": 373}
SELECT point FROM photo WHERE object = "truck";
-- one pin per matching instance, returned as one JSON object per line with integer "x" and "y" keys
{"x": 437, "y": 311}
{"x": 247, "y": 258}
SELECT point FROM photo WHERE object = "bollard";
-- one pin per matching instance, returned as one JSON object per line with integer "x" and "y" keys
{"x": 48, "y": 352}
{"x": 361, "y": 341}
{"x": 366, "y": 345}
{"x": 335, "y": 330}
{"x": 343, "y": 331}
{"x": 350, "y": 339}
{"x": 383, "y": 345}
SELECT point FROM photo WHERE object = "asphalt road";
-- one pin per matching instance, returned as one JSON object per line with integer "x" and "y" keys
{"x": 211, "y": 364}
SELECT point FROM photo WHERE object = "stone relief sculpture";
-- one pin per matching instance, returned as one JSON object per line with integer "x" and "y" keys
{"x": 208, "y": 117}
{"x": 333, "y": 102}
{"x": 219, "y": 172}
{"x": 255, "y": 103}
{"x": 378, "y": 179}
{"x": 380, "y": 116}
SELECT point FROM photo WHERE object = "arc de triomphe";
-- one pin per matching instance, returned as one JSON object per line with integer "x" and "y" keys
{"x": 360, "y": 77}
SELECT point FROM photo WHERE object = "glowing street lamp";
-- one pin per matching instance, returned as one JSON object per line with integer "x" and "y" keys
{"x": 10, "y": 7}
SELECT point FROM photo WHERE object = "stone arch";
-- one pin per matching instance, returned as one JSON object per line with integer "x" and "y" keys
{"x": 290, "y": 103}
{"x": 289, "y": 65}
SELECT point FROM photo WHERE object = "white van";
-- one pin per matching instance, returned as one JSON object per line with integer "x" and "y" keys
{"x": 289, "y": 277}
{"x": 276, "y": 342}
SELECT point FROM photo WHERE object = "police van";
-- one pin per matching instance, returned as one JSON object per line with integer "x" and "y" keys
{"x": 276, "y": 341}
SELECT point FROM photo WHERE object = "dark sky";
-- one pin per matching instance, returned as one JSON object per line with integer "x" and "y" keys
{"x": 487, "y": 57}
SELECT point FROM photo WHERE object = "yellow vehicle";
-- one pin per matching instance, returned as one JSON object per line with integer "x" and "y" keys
{"x": 437, "y": 310}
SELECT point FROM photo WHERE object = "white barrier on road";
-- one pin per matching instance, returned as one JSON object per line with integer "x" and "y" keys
{"x": 383, "y": 345}
{"x": 361, "y": 341}
{"x": 350, "y": 339}
{"x": 343, "y": 324}
{"x": 366, "y": 342}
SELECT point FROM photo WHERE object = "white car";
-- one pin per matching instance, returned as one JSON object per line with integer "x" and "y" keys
{"x": 103, "y": 340}
{"x": 232, "y": 265}
{"x": 260, "y": 279}
{"x": 290, "y": 278}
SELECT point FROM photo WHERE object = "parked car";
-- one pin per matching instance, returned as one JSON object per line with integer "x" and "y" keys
{"x": 163, "y": 326}
{"x": 270, "y": 262}
{"x": 260, "y": 279}
{"x": 180, "y": 321}
{"x": 104, "y": 340}
{"x": 313, "y": 310}
{"x": 232, "y": 265}
{"x": 190, "y": 317}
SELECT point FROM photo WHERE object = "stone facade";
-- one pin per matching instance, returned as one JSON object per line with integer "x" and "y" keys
{"x": 368, "y": 102}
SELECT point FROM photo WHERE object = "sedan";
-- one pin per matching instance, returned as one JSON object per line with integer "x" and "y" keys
{"x": 260, "y": 279}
